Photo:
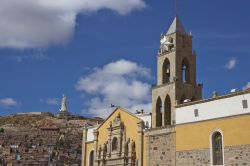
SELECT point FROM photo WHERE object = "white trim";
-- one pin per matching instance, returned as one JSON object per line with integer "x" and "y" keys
{"x": 89, "y": 155}
{"x": 211, "y": 146}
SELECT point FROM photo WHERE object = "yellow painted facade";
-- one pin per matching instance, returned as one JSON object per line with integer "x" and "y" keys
{"x": 89, "y": 146}
{"x": 235, "y": 130}
{"x": 129, "y": 121}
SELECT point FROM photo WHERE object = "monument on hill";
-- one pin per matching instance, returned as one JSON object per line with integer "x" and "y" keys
{"x": 63, "y": 110}
{"x": 64, "y": 104}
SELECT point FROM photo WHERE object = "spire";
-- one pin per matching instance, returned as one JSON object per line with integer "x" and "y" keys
{"x": 176, "y": 26}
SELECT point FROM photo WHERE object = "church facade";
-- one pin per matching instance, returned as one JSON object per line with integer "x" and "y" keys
{"x": 182, "y": 129}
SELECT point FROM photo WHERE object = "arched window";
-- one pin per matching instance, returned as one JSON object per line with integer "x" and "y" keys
{"x": 114, "y": 144}
{"x": 167, "y": 111}
{"x": 217, "y": 148}
{"x": 185, "y": 76}
{"x": 91, "y": 158}
{"x": 166, "y": 71}
{"x": 158, "y": 112}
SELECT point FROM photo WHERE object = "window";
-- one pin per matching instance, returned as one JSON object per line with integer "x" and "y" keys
{"x": 146, "y": 124}
{"x": 114, "y": 144}
{"x": 158, "y": 112}
{"x": 185, "y": 76}
{"x": 166, "y": 71}
{"x": 91, "y": 158}
{"x": 217, "y": 148}
{"x": 244, "y": 104}
{"x": 196, "y": 112}
{"x": 167, "y": 111}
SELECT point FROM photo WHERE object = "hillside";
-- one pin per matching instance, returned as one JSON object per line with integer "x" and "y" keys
{"x": 38, "y": 121}
{"x": 31, "y": 138}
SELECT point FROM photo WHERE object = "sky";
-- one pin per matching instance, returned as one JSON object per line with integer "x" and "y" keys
{"x": 102, "y": 52}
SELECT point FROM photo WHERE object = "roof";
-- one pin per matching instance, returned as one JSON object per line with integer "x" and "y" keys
{"x": 176, "y": 26}
{"x": 119, "y": 108}
{"x": 232, "y": 94}
{"x": 50, "y": 128}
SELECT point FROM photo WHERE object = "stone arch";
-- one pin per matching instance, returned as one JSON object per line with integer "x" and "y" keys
{"x": 185, "y": 71}
{"x": 167, "y": 111}
{"x": 158, "y": 112}
{"x": 166, "y": 71}
{"x": 91, "y": 158}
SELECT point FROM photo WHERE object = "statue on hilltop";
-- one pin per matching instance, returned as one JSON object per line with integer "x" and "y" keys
{"x": 63, "y": 104}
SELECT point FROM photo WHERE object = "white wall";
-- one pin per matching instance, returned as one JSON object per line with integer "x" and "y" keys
{"x": 146, "y": 119}
{"x": 224, "y": 107}
{"x": 90, "y": 133}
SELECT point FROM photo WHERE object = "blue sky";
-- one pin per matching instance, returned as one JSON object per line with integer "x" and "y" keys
{"x": 52, "y": 48}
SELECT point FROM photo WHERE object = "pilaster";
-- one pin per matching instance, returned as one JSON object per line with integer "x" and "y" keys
{"x": 140, "y": 142}
{"x": 95, "y": 146}
{"x": 84, "y": 139}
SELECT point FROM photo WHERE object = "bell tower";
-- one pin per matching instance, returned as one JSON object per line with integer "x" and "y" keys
{"x": 176, "y": 75}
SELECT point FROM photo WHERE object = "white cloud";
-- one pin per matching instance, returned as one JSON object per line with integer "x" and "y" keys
{"x": 8, "y": 102}
{"x": 52, "y": 101}
{"x": 231, "y": 64}
{"x": 116, "y": 83}
{"x": 40, "y": 23}
{"x": 247, "y": 86}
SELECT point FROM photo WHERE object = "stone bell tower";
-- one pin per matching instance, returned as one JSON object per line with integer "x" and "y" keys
{"x": 176, "y": 75}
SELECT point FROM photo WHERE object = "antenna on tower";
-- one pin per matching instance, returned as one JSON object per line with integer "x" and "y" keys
{"x": 176, "y": 7}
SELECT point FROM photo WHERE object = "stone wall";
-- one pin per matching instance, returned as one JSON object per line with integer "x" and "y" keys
{"x": 233, "y": 155}
{"x": 160, "y": 149}
{"x": 237, "y": 155}
{"x": 196, "y": 157}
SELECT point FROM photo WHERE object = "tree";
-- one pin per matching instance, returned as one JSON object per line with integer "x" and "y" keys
{"x": 1, "y": 130}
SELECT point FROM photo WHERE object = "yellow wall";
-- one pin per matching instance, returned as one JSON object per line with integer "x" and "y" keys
{"x": 130, "y": 123}
{"x": 145, "y": 142}
{"x": 89, "y": 146}
{"x": 236, "y": 131}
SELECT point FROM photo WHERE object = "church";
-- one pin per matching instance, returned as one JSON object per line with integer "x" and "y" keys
{"x": 182, "y": 129}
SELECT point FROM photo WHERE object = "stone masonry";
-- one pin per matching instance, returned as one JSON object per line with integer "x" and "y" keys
{"x": 161, "y": 147}
{"x": 233, "y": 156}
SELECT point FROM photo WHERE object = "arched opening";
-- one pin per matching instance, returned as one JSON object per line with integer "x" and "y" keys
{"x": 183, "y": 98}
{"x": 91, "y": 158}
{"x": 185, "y": 76}
{"x": 166, "y": 71}
{"x": 217, "y": 148}
{"x": 158, "y": 112}
{"x": 167, "y": 111}
{"x": 114, "y": 144}
{"x": 170, "y": 44}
